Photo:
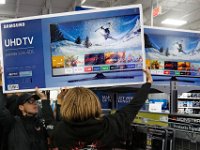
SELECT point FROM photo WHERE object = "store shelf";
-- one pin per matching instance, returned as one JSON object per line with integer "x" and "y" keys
{"x": 145, "y": 111}
{"x": 186, "y": 115}
{"x": 189, "y": 107}
{"x": 188, "y": 99}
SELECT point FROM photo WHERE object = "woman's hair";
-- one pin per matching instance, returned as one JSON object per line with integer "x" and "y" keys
{"x": 80, "y": 104}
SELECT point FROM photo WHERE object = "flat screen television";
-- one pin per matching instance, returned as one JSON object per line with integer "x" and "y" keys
{"x": 108, "y": 47}
{"x": 172, "y": 52}
{"x": 90, "y": 48}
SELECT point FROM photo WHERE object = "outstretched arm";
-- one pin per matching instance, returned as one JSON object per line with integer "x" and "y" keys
{"x": 60, "y": 97}
{"x": 6, "y": 118}
{"x": 47, "y": 113}
{"x": 131, "y": 110}
{"x": 128, "y": 113}
{"x": 119, "y": 123}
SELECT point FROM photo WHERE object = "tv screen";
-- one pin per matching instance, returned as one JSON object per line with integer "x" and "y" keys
{"x": 172, "y": 52}
{"x": 90, "y": 48}
{"x": 104, "y": 45}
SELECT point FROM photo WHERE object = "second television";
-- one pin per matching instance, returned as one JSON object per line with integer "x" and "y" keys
{"x": 172, "y": 52}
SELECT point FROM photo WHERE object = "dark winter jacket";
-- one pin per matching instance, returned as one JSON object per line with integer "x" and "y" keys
{"x": 10, "y": 104}
{"x": 100, "y": 134}
{"x": 24, "y": 133}
{"x": 27, "y": 133}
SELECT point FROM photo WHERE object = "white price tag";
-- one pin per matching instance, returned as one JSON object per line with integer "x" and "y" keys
{"x": 155, "y": 107}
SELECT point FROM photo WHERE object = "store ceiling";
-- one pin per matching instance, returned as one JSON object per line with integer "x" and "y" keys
{"x": 177, "y": 9}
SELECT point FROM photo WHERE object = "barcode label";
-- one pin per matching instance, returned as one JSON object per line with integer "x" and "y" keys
{"x": 13, "y": 86}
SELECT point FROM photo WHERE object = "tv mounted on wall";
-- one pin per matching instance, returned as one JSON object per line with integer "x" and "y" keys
{"x": 90, "y": 48}
{"x": 172, "y": 52}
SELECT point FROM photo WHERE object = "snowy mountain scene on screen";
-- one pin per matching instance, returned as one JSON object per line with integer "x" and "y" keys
{"x": 115, "y": 40}
{"x": 170, "y": 45}
{"x": 107, "y": 34}
{"x": 172, "y": 52}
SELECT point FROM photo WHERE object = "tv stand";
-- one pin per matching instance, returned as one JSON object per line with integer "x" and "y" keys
{"x": 100, "y": 76}
{"x": 173, "y": 78}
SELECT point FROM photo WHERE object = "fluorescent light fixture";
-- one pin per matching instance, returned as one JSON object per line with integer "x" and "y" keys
{"x": 92, "y": 7}
{"x": 83, "y": 1}
{"x": 174, "y": 22}
{"x": 2, "y": 1}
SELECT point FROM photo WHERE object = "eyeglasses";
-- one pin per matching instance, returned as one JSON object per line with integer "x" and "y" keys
{"x": 31, "y": 101}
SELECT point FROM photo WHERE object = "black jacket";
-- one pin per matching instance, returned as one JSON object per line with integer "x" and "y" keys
{"x": 104, "y": 133}
{"x": 27, "y": 133}
{"x": 24, "y": 133}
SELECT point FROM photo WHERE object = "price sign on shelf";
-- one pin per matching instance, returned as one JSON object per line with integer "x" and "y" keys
{"x": 155, "y": 107}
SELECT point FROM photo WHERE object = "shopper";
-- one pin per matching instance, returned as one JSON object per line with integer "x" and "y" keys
{"x": 10, "y": 104}
{"x": 26, "y": 131}
{"x": 84, "y": 126}
{"x": 60, "y": 96}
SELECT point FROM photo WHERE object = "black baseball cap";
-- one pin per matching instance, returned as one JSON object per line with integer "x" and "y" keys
{"x": 25, "y": 97}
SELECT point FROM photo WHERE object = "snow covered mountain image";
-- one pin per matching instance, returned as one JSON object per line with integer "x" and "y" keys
{"x": 94, "y": 36}
{"x": 172, "y": 45}
{"x": 195, "y": 51}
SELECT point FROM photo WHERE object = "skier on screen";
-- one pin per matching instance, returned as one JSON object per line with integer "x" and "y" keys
{"x": 106, "y": 30}
{"x": 179, "y": 46}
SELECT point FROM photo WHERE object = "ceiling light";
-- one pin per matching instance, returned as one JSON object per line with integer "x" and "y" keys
{"x": 83, "y": 1}
{"x": 174, "y": 22}
{"x": 2, "y": 1}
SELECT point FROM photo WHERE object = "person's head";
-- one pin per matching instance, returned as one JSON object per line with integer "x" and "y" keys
{"x": 27, "y": 104}
{"x": 80, "y": 104}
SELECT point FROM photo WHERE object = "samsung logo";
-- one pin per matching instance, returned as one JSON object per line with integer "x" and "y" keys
{"x": 14, "y": 25}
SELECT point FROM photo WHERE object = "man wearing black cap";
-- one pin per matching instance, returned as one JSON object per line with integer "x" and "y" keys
{"x": 27, "y": 104}
{"x": 26, "y": 131}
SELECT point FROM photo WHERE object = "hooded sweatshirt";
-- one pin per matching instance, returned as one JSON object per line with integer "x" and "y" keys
{"x": 103, "y": 133}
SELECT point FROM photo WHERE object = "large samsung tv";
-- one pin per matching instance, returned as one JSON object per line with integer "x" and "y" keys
{"x": 90, "y": 48}
{"x": 172, "y": 52}
{"x": 107, "y": 47}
